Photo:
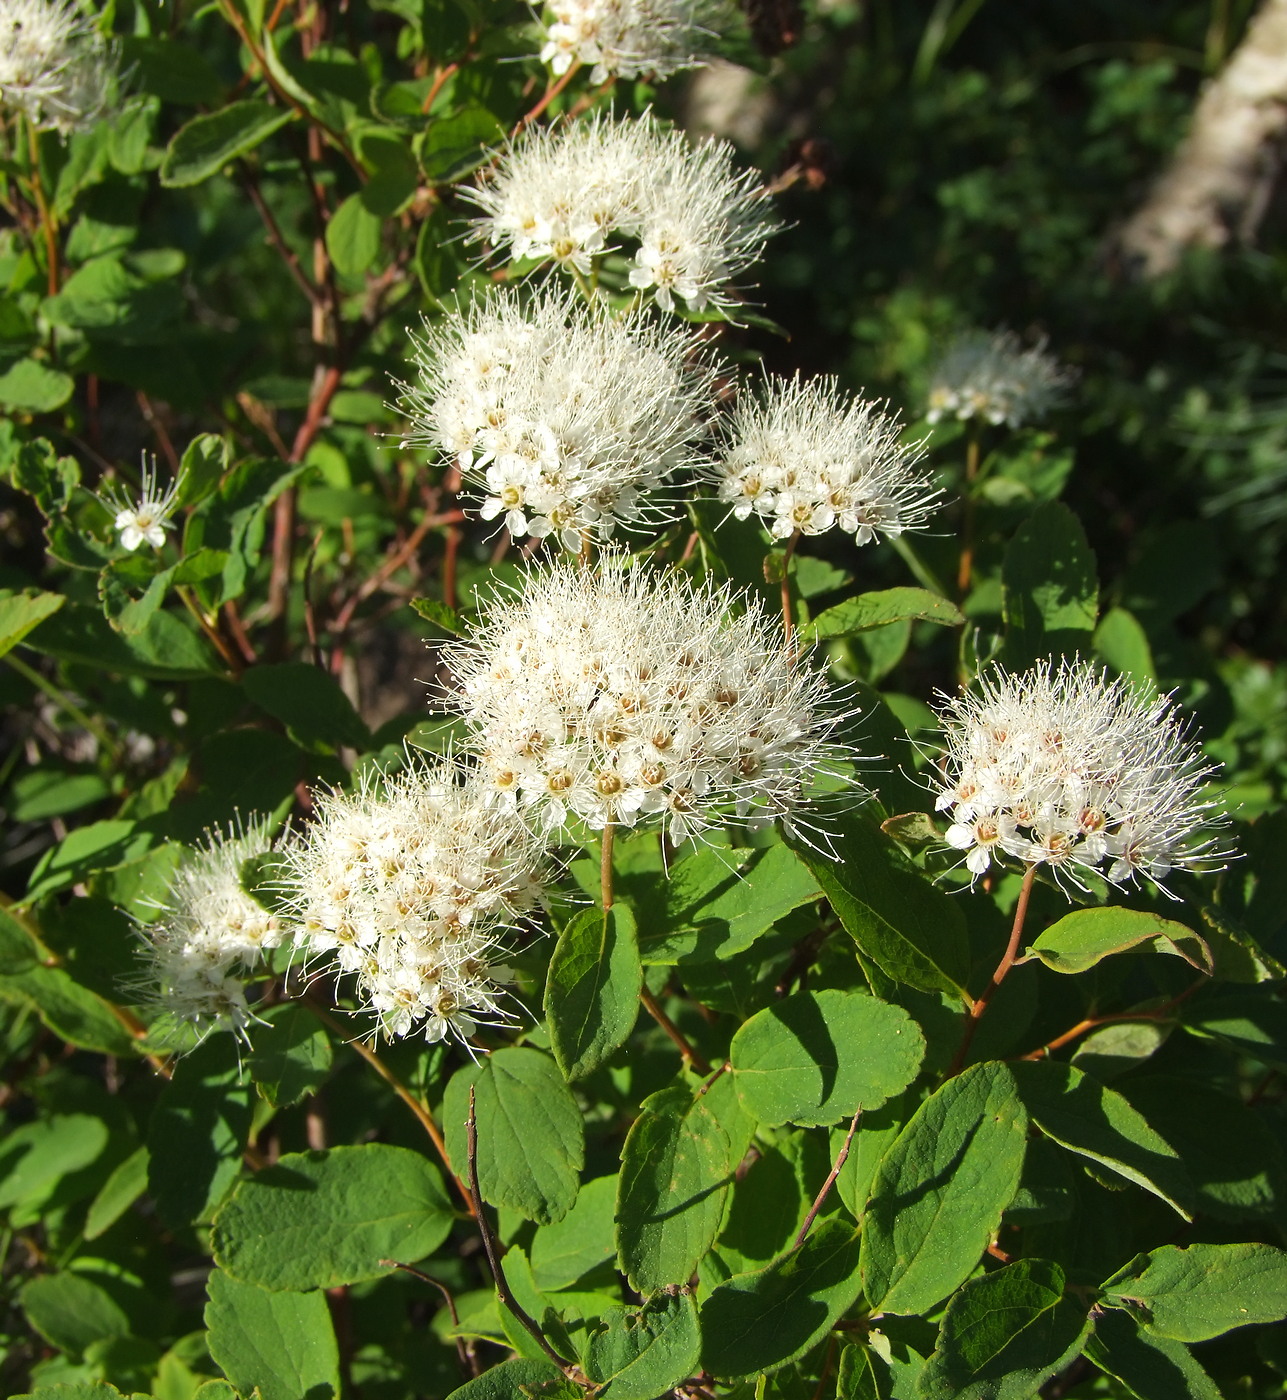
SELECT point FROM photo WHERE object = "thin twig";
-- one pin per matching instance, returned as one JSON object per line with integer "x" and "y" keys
{"x": 65, "y": 703}
{"x": 288, "y": 254}
{"x": 788, "y": 622}
{"x": 489, "y": 1243}
{"x": 653, "y": 1008}
{"x": 551, "y": 93}
{"x": 841, "y": 1158}
{"x": 965, "y": 570}
{"x": 467, "y": 1362}
{"x": 1090, "y": 1023}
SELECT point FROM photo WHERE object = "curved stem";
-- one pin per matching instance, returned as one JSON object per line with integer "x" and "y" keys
{"x": 1003, "y": 967}
{"x": 605, "y": 864}
{"x": 965, "y": 570}
{"x": 1090, "y": 1023}
{"x": 549, "y": 95}
{"x": 788, "y": 622}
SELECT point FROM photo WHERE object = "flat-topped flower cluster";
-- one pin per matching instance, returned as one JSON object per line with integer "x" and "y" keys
{"x": 56, "y": 66}
{"x": 628, "y": 38}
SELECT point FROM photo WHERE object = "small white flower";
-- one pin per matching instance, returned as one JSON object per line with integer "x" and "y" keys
{"x": 628, "y": 38}
{"x": 578, "y": 421}
{"x": 1061, "y": 766}
{"x": 55, "y": 64}
{"x": 627, "y": 696}
{"x": 803, "y": 456}
{"x": 146, "y": 517}
{"x": 568, "y": 193}
{"x": 989, "y": 375}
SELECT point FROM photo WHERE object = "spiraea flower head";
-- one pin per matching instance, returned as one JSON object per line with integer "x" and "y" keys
{"x": 990, "y": 375}
{"x": 1064, "y": 767}
{"x": 625, "y": 695}
{"x": 803, "y": 456}
{"x": 409, "y": 882}
{"x": 209, "y": 937}
{"x": 145, "y": 517}
{"x": 566, "y": 420}
{"x": 568, "y": 193}
{"x": 56, "y": 67}
{"x": 629, "y": 38}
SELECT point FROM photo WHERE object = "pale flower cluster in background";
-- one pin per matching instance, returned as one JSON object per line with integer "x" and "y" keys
{"x": 210, "y": 936}
{"x": 56, "y": 67}
{"x": 628, "y": 696}
{"x": 566, "y": 420}
{"x": 690, "y": 222}
{"x": 628, "y": 38}
{"x": 1061, "y": 766}
{"x": 407, "y": 882}
{"x": 991, "y": 376}
{"x": 803, "y": 456}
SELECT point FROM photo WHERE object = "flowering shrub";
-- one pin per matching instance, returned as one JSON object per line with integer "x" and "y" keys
{"x": 545, "y": 857}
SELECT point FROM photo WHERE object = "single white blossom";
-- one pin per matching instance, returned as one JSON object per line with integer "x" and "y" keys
{"x": 1063, "y": 767}
{"x": 408, "y": 883}
{"x": 56, "y": 67}
{"x": 566, "y": 420}
{"x": 990, "y": 375}
{"x": 209, "y": 937}
{"x": 627, "y": 696}
{"x": 146, "y": 517}
{"x": 629, "y": 38}
{"x": 803, "y": 456}
{"x": 568, "y": 193}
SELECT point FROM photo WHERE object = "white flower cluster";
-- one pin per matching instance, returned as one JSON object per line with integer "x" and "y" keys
{"x": 805, "y": 457}
{"x": 627, "y": 38}
{"x": 566, "y": 419}
{"x": 562, "y": 193}
{"x": 144, "y": 519}
{"x": 989, "y": 375}
{"x": 622, "y": 695}
{"x": 210, "y": 936}
{"x": 55, "y": 65}
{"x": 408, "y": 882}
{"x": 1063, "y": 767}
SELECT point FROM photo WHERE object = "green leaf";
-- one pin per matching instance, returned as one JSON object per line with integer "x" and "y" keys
{"x": 85, "y": 1390}
{"x": 817, "y": 1057}
{"x": 870, "y": 610}
{"x": 203, "y": 465}
{"x": 353, "y": 237}
{"x": 167, "y": 649}
{"x": 318, "y": 1219}
{"x": 68, "y": 1009}
{"x": 1203, "y": 1290}
{"x": 281, "y": 1343}
{"x": 203, "y": 146}
{"x": 28, "y": 386}
{"x": 290, "y": 1057}
{"x": 516, "y": 1379}
{"x": 759, "y": 1321}
{"x": 117, "y": 1194}
{"x": 581, "y": 1241}
{"x": 1150, "y": 1367}
{"x": 1079, "y": 1113}
{"x": 644, "y": 1352}
{"x": 43, "y": 793}
{"x": 861, "y": 1375}
{"x": 1086, "y": 936}
{"x": 530, "y": 1137}
{"x": 940, "y": 1190}
{"x": 446, "y": 619}
{"x": 98, "y": 846}
{"x": 309, "y": 702}
{"x": 1050, "y": 589}
{"x": 455, "y": 145}
{"x": 1246, "y": 1023}
{"x": 71, "y": 1312}
{"x": 1123, "y": 643}
{"x": 197, "y": 1133}
{"x": 675, "y": 1175}
{"x": 914, "y": 933}
{"x": 36, "y": 1157}
{"x": 1005, "y": 1334}
{"x": 592, "y": 991}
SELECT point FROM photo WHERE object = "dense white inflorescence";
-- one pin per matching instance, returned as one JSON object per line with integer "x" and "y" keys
{"x": 691, "y": 221}
{"x": 409, "y": 882}
{"x": 566, "y": 420}
{"x": 55, "y": 65}
{"x": 628, "y": 695}
{"x": 803, "y": 456}
{"x": 210, "y": 936}
{"x": 145, "y": 518}
{"x": 1061, "y": 766}
{"x": 990, "y": 375}
{"x": 628, "y": 38}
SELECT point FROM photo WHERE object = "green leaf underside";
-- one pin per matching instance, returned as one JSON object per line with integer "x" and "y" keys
{"x": 940, "y": 1190}
{"x": 319, "y": 1219}
{"x": 1083, "y": 938}
{"x": 530, "y": 1136}
{"x": 592, "y": 990}
{"x": 817, "y": 1057}
{"x": 757, "y": 1322}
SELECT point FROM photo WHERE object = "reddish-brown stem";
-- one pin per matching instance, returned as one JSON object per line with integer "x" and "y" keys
{"x": 788, "y": 622}
{"x": 980, "y": 1006}
{"x": 47, "y": 224}
{"x": 1090, "y": 1023}
{"x": 653, "y": 1007}
{"x": 288, "y": 254}
{"x": 237, "y": 631}
{"x": 965, "y": 570}
{"x": 605, "y": 865}
{"x": 315, "y": 414}
{"x": 841, "y": 1158}
{"x": 439, "y": 78}
{"x": 393, "y": 563}
{"x": 157, "y": 424}
{"x": 550, "y": 94}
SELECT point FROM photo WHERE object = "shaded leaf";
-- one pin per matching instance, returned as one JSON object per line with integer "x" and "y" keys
{"x": 592, "y": 989}
{"x": 207, "y": 143}
{"x": 1051, "y": 592}
{"x": 1150, "y": 1367}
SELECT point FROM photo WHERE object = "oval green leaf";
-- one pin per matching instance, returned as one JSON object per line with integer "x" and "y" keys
{"x": 592, "y": 991}
{"x": 206, "y": 144}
